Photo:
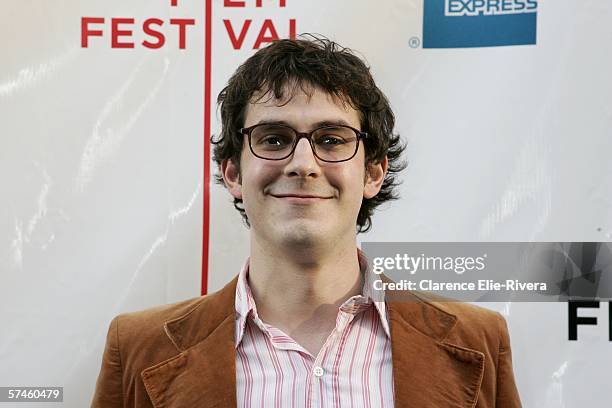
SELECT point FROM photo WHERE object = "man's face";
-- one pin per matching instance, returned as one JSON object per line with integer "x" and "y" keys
{"x": 301, "y": 200}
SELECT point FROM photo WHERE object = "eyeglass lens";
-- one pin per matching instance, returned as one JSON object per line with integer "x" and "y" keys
{"x": 330, "y": 143}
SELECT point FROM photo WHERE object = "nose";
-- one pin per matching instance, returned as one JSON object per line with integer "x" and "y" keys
{"x": 303, "y": 162}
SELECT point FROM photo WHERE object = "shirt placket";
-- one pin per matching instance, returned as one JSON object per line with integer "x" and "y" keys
{"x": 321, "y": 368}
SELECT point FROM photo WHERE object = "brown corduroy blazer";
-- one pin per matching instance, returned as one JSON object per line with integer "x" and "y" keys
{"x": 445, "y": 354}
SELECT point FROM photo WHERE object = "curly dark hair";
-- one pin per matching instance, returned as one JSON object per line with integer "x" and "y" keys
{"x": 306, "y": 62}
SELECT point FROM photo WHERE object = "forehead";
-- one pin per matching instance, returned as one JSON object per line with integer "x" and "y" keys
{"x": 300, "y": 107}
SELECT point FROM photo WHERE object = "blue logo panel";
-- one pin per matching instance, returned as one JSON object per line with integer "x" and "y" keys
{"x": 478, "y": 23}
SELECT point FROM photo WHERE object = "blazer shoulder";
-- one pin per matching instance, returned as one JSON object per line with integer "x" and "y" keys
{"x": 477, "y": 327}
{"x": 473, "y": 323}
{"x": 157, "y": 316}
{"x": 141, "y": 336}
{"x": 152, "y": 321}
{"x": 465, "y": 312}
{"x": 470, "y": 314}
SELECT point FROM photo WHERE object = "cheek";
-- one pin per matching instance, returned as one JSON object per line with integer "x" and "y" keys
{"x": 256, "y": 177}
{"x": 349, "y": 180}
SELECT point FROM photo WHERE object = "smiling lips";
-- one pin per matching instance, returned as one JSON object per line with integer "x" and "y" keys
{"x": 300, "y": 198}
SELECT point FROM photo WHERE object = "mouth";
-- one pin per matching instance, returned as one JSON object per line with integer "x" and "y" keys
{"x": 301, "y": 198}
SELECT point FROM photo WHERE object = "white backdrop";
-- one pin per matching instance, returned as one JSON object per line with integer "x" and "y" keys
{"x": 103, "y": 181}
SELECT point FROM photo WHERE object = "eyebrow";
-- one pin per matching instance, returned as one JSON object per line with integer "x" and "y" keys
{"x": 336, "y": 122}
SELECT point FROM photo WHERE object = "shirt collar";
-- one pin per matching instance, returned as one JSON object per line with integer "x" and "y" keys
{"x": 245, "y": 303}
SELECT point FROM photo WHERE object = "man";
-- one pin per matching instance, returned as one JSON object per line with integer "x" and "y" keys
{"x": 307, "y": 152}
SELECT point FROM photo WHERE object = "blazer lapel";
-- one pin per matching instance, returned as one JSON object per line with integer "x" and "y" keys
{"x": 427, "y": 370}
{"x": 204, "y": 372}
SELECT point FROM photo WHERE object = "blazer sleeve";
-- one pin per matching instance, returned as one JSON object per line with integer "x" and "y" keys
{"x": 507, "y": 395}
{"x": 109, "y": 387}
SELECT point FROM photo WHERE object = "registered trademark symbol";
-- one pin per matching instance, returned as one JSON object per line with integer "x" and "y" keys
{"x": 414, "y": 42}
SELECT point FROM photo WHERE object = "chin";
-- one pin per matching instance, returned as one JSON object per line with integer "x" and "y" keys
{"x": 302, "y": 234}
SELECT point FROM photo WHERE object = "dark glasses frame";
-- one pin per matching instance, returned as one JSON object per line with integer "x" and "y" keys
{"x": 308, "y": 135}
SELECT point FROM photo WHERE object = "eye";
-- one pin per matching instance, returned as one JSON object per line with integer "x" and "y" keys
{"x": 275, "y": 140}
{"x": 330, "y": 140}
{"x": 272, "y": 137}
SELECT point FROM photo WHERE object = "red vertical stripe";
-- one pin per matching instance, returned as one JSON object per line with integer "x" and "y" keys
{"x": 207, "y": 126}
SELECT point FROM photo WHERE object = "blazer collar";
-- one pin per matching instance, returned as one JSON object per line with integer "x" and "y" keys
{"x": 428, "y": 371}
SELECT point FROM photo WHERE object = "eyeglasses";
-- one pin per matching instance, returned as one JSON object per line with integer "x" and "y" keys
{"x": 331, "y": 143}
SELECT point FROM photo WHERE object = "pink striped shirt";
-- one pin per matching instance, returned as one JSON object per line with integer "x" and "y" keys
{"x": 352, "y": 369}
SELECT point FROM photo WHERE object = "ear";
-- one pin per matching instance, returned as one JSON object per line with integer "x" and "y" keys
{"x": 375, "y": 175}
{"x": 231, "y": 178}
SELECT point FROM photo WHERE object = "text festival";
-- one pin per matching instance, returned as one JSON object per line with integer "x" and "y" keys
{"x": 119, "y": 32}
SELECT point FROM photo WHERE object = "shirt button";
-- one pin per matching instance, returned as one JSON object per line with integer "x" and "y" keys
{"x": 318, "y": 371}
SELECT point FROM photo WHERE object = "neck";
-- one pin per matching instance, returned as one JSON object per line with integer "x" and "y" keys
{"x": 296, "y": 287}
